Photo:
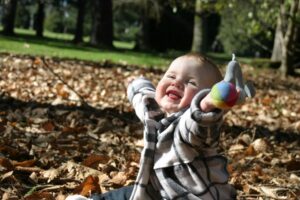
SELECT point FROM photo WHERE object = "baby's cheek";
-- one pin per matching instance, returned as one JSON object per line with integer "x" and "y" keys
{"x": 157, "y": 99}
{"x": 159, "y": 93}
{"x": 189, "y": 97}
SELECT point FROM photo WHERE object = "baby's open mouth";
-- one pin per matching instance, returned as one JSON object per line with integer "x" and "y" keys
{"x": 174, "y": 95}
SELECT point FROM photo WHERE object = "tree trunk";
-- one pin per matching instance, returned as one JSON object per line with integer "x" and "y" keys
{"x": 200, "y": 34}
{"x": 277, "y": 46}
{"x": 197, "y": 45}
{"x": 102, "y": 27}
{"x": 78, "y": 38}
{"x": 9, "y": 17}
{"x": 288, "y": 29}
{"x": 39, "y": 18}
{"x": 143, "y": 38}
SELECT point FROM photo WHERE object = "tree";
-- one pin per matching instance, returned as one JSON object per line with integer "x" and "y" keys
{"x": 23, "y": 14}
{"x": 79, "y": 22}
{"x": 198, "y": 28}
{"x": 247, "y": 27}
{"x": 102, "y": 25}
{"x": 206, "y": 25}
{"x": 265, "y": 26}
{"x": 39, "y": 18}
{"x": 286, "y": 35}
{"x": 10, "y": 8}
{"x": 160, "y": 25}
{"x": 164, "y": 25}
{"x": 61, "y": 16}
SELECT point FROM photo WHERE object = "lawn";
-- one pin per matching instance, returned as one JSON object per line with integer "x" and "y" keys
{"x": 60, "y": 45}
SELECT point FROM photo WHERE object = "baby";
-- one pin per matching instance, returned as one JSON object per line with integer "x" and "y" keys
{"x": 179, "y": 160}
{"x": 181, "y": 132}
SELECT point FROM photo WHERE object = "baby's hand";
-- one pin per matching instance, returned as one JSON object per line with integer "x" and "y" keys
{"x": 223, "y": 95}
{"x": 129, "y": 80}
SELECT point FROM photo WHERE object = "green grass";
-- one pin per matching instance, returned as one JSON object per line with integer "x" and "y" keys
{"x": 47, "y": 34}
{"x": 60, "y": 45}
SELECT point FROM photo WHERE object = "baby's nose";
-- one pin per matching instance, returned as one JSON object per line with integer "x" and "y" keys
{"x": 177, "y": 83}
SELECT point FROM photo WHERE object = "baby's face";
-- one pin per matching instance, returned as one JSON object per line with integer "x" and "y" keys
{"x": 180, "y": 83}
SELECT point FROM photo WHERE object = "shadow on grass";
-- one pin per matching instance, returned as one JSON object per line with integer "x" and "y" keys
{"x": 52, "y": 42}
{"x": 84, "y": 46}
{"x": 218, "y": 58}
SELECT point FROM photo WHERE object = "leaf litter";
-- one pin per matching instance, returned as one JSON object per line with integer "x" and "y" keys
{"x": 67, "y": 128}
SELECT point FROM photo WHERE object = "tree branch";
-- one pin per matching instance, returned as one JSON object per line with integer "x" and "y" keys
{"x": 45, "y": 64}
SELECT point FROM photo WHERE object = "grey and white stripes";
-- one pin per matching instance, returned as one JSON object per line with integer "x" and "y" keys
{"x": 179, "y": 159}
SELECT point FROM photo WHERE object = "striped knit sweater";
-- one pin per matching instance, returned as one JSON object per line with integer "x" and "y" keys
{"x": 179, "y": 159}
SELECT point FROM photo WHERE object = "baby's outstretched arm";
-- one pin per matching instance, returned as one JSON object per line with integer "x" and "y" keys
{"x": 229, "y": 92}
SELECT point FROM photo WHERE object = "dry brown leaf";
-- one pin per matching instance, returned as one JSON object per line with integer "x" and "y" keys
{"x": 73, "y": 130}
{"x": 235, "y": 149}
{"x": 230, "y": 168}
{"x": 244, "y": 139}
{"x": 293, "y": 165}
{"x": 37, "y": 61}
{"x": 250, "y": 151}
{"x": 60, "y": 197}
{"x": 119, "y": 179}
{"x": 51, "y": 174}
{"x": 48, "y": 126}
{"x": 40, "y": 196}
{"x": 260, "y": 145}
{"x": 61, "y": 91}
{"x": 132, "y": 171}
{"x": 295, "y": 178}
{"x": 6, "y": 163}
{"x": 26, "y": 163}
{"x": 8, "y": 150}
{"x": 94, "y": 160}
{"x": 80, "y": 172}
{"x": 9, "y": 196}
{"x": 267, "y": 101}
{"x": 6, "y": 175}
{"x": 2, "y": 128}
{"x": 272, "y": 192}
{"x": 89, "y": 186}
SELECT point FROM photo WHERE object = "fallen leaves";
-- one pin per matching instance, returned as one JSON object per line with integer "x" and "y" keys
{"x": 68, "y": 129}
{"x": 89, "y": 186}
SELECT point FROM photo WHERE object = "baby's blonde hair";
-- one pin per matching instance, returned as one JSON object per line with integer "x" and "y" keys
{"x": 205, "y": 62}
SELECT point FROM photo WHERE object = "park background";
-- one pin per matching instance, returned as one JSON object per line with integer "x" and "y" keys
{"x": 66, "y": 125}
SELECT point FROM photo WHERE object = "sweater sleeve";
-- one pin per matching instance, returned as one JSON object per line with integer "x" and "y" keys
{"x": 199, "y": 128}
{"x": 137, "y": 91}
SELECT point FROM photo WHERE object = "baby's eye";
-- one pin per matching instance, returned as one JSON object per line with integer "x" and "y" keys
{"x": 170, "y": 76}
{"x": 192, "y": 83}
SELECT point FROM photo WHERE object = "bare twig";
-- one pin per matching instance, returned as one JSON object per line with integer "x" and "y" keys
{"x": 45, "y": 64}
{"x": 28, "y": 169}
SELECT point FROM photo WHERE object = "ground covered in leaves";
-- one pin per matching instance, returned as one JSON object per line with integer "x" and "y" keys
{"x": 67, "y": 128}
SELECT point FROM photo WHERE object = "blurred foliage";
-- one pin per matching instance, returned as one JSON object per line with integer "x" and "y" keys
{"x": 248, "y": 27}
{"x": 23, "y": 17}
{"x": 61, "y": 18}
{"x": 126, "y": 21}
